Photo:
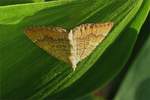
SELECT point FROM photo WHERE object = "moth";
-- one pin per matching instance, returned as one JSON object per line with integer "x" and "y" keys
{"x": 70, "y": 46}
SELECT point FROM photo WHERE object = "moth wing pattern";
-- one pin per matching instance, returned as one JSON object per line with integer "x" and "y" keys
{"x": 88, "y": 36}
{"x": 53, "y": 40}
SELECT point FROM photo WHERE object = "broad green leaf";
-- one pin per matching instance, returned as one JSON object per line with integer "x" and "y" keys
{"x": 136, "y": 85}
{"x": 29, "y": 72}
{"x": 108, "y": 66}
{"x": 14, "y": 14}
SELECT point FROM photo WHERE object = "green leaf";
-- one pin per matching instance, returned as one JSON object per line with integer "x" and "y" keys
{"x": 137, "y": 81}
{"x": 29, "y": 72}
{"x": 108, "y": 66}
{"x": 136, "y": 85}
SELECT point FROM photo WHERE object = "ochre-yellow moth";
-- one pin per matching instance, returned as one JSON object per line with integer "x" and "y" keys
{"x": 73, "y": 46}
